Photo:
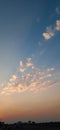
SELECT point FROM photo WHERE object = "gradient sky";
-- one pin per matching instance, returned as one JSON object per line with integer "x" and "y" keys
{"x": 29, "y": 60}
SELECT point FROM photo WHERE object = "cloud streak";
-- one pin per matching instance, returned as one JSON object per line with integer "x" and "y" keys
{"x": 49, "y": 33}
{"x": 33, "y": 79}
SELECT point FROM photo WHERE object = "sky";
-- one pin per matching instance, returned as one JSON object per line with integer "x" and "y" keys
{"x": 29, "y": 60}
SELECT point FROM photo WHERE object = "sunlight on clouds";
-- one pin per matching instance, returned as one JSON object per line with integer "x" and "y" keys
{"x": 22, "y": 69}
{"x": 49, "y": 33}
{"x": 58, "y": 25}
{"x": 33, "y": 80}
{"x": 13, "y": 78}
{"x": 28, "y": 64}
{"x": 22, "y": 66}
{"x": 50, "y": 69}
{"x": 21, "y": 87}
{"x": 46, "y": 36}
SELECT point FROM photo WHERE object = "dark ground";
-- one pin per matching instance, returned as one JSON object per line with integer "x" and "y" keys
{"x": 30, "y": 126}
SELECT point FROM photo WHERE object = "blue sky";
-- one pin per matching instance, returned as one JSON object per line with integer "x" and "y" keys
{"x": 29, "y": 39}
{"x": 22, "y": 24}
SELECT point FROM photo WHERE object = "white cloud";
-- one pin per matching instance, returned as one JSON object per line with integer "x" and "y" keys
{"x": 49, "y": 33}
{"x": 28, "y": 64}
{"x": 50, "y": 69}
{"x": 13, "y": 78}
{"x": 46, "y": 36}
{"x": 58, "y": 25}
{"x": 33, "y": 67}
{"x": 22, "y": 69}
{"x": 22, "y": 66}
{"x": 29, "y": 59}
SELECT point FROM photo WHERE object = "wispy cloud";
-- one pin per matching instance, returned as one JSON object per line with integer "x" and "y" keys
{"x": 33, "y": 79}
{"x": 29, "y": 63}
{"x": 50, "y": 69}
{"x": 58, "y": 10}
{"x": 22, "y": 66}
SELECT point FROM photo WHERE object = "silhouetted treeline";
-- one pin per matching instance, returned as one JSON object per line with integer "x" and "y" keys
{"x": 30, "y": 126}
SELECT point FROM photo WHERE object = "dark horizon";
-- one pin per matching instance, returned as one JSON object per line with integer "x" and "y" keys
{"x": 29, "y": 122}
{"x": 30, "y": 126}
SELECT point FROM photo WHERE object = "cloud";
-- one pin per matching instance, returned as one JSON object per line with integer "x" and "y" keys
{"x": 49, "y": 33}
{"x": 22, "y": 70}
{"x": 36, "y": 86}
{"x": 34, "y": 79}
{"x": 17, "y": 87}
{"x": 13, "y": 78}
{"x": 22, "y": 66}
{"x": 46, "y": 36}
{"x": 21, "y": 87}
{"x": 28, "y": 64}
{"x": 58, "y": 10}
{"x": 58, "y": 25}
{"x": 50, "y": 69}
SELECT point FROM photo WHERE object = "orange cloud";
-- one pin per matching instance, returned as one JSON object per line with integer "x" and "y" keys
{"x": 58, "y": 25}
{"x": 35, "y": 80}
{"x": 49, "y": 33}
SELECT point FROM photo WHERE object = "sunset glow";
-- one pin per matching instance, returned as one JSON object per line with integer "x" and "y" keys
{"x": 29, "y": 60}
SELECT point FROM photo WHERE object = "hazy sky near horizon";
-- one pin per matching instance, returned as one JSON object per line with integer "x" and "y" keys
{"x": 30, "y": 60}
